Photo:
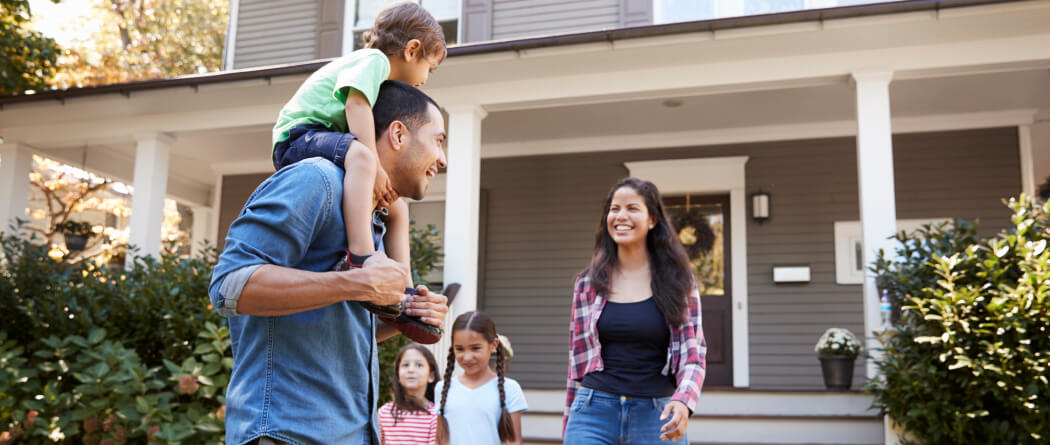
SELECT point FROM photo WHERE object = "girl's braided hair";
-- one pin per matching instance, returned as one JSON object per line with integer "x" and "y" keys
{"x": 401, "y": 23}
{"x": 481, "y": 323}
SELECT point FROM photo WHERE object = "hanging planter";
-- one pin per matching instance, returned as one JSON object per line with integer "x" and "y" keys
{"x": 76, "y": 243}
{"x": 76, "y": 234}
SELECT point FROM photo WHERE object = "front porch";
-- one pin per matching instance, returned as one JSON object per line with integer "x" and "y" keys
{"x": 741, "y": 416}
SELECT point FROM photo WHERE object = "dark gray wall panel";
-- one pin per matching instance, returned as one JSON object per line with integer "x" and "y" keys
{"x": 235, "y": 192}
{"x": 542, "y": 213}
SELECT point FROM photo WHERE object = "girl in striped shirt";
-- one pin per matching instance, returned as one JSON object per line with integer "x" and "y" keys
{"x": 410, "y": 418}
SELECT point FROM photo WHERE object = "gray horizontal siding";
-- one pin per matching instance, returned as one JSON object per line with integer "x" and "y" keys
{"x": 272, "y": 32}
{"x": 524, "y": 18}
{"x": 542, "y": 213}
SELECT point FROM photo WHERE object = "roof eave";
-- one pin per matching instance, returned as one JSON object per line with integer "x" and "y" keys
{"x": 267, "y": 72}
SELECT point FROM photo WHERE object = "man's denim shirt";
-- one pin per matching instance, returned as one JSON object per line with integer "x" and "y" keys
{"x": 310, "y": 377}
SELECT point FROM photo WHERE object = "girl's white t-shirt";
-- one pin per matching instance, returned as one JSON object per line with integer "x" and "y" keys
{"x": 473, "y": 414}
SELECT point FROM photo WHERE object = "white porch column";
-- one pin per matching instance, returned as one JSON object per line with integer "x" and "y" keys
{"x": 1028, "y": 180}
{"x": 462, "y": 202}
{"x": 878, "y": 211}
{"x": 15, "y": 163}
{"x": 202, "y": 229}
{"x": 147, "y": 199}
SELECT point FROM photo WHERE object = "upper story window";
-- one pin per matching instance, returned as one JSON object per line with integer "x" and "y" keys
{"x": 670, "y": 11}
{"x": 365, "y": 12}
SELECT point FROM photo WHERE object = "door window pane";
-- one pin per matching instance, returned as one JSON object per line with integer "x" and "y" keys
{"x": 700, "y": 227}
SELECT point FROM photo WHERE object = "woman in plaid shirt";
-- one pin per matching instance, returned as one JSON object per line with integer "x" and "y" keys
{"x": 637, "y": 351}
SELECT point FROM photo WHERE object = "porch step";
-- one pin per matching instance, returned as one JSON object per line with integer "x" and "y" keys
{"x": 743, "y": 417}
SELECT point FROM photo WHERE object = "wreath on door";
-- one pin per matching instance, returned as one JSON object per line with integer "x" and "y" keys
{"x": 694, "y": 231}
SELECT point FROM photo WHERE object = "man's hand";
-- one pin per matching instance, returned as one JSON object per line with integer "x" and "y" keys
{"x": 429, "y": 307}
{"x": 675, "y": 428}
{"x": 387, "y": 279}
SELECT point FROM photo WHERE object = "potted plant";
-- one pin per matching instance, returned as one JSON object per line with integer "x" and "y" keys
{"x": 76, "y": 234}
{"x": 837, "y": 349}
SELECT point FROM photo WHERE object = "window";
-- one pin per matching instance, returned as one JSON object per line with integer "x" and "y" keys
{"x": 671, "y": 11}
{"x": 365, "y": 12}
{"x": 849, "y": 247}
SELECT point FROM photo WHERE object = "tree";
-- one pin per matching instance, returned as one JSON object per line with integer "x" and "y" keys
{"x": 70, "y": 194}
{"x": 27, "y": 58}
{"x": 147, "y": 39}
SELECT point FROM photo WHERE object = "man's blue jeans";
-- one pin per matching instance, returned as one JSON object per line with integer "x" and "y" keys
{"x": 597, "y": 417}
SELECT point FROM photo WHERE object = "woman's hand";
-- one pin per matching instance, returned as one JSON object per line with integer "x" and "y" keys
{"x": 675, "y": 428}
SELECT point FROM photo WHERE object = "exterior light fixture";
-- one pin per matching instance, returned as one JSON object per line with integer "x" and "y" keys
{"x": 760, "y": 207}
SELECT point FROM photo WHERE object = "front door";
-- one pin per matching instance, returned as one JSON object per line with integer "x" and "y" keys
{"x": 703, "y": 229}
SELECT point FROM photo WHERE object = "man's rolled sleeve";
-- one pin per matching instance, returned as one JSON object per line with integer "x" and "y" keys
{"x": 278, "y": 223}
{"x": 226, "y": 292}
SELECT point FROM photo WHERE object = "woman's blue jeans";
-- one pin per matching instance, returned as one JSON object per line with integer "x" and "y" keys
{"x": 597, "y": 417}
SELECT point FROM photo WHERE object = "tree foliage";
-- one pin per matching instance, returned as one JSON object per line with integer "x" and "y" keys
{"x": 970, "y": 361}
{"x": 27, "y": 58}
{"x": 146, "y": 39}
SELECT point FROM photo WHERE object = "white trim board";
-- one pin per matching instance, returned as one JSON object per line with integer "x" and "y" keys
{"x": 720, "y": 175}
{"x": 760, "y": 133}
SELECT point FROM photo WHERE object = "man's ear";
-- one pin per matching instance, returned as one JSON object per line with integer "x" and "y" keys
{"x": 398, "y": 134}
{"x": 412, "y": 50}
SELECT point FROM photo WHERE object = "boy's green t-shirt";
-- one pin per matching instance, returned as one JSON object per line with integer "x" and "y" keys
{"x": 322, "y": 97}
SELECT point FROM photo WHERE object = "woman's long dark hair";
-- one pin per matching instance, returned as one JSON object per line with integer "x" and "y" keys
{"x": 671, "y": 272}
{"x": 402, "y": 401}
{"x": 481, "y": 323}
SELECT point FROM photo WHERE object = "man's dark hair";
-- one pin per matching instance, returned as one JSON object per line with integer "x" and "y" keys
{"x": 399, "y": 101}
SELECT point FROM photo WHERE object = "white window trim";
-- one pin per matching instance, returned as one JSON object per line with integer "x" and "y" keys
{"x": 231, "y": 33}
{"x": 715, "y": 175}
{"x": 348, "y": 26}
{"x": 849, "y": 269}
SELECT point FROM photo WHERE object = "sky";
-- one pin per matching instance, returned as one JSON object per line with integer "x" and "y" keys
{"x": 65, "y": 22}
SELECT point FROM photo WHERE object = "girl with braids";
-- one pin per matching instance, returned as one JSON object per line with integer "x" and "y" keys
{"x": 637, "y": 351}
{"x": 478, "y": 407}
{"x": 410, "y": 419}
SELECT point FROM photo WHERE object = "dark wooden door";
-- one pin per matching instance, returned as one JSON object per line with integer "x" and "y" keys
{"x": 702, "y": 222}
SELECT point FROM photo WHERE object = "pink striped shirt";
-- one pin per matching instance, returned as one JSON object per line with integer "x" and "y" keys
{"x": 412, "y": 428}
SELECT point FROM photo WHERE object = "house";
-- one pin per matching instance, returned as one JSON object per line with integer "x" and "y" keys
{"x": 851, "y": 118}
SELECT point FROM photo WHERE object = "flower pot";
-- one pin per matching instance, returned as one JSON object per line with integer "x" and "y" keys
{"x": 75, "y": 243}
{"x": 838, "y": 371}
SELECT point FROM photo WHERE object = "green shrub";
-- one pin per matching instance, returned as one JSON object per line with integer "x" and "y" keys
{"x": 155, "y": 363}
{"x": 119, "y": 383}
{"x": 969, "y": 363}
